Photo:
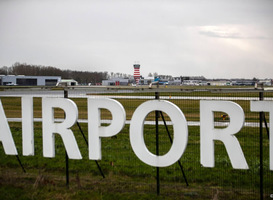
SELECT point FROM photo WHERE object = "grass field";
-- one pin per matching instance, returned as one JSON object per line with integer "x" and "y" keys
{"x": 126, "y": 177}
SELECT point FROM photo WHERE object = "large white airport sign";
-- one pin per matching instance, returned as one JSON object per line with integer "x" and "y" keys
{"x": 208, "y": 132}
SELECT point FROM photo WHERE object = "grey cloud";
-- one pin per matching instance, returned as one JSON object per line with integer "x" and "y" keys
{"x": 113, "y": 34}
{"x": 232, "y": 35}
{"x": 221, "y": 35}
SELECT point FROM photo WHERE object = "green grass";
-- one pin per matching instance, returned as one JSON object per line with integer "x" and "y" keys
{"x": 126, "y": 177}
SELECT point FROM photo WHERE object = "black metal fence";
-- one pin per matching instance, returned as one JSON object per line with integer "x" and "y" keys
{"x": 122, "y": 168}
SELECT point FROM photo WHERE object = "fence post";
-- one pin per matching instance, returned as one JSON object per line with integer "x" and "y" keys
{"x": 66, "y": 156}
{"x": 157, "y": 145}
{"x": 261, "y": 97}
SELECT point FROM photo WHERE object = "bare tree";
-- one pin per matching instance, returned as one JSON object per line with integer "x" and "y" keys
{"x": 83, "y": 77}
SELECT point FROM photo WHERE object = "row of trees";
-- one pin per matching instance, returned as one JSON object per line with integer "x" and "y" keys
{"x": 83, "y": 77}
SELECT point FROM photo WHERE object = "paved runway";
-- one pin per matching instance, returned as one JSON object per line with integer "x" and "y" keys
{"x": 82, "y": 92}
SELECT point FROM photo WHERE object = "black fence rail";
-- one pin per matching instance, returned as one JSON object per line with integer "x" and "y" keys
{"x": 122, "y": 169}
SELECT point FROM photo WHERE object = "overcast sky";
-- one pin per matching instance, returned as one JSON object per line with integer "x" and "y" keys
{"x": 216, "y": 39}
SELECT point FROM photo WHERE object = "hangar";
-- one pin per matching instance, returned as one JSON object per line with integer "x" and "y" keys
{"x": 22, "y": 80}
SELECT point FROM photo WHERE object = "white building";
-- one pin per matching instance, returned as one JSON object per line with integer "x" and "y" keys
{"x": 175, "y": 81}
{"x": 22, "y": 80}
{"x": 220, "y": 83}
{"x": 115, "y": 81}
{"x": 146, "y": 80}
{"x": 266, "y": 82}
{"x": 67, "y": 82}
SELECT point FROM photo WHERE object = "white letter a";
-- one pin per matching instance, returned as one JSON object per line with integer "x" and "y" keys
{"x": 5, "y": 134}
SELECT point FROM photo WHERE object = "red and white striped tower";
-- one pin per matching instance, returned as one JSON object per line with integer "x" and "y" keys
{"x": 137, "y": 72}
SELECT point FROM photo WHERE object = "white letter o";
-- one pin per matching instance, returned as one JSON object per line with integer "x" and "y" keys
{"x": 180, "y": 133}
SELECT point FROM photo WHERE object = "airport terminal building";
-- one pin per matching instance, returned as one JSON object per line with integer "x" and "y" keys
{"x": 22, "y": 80}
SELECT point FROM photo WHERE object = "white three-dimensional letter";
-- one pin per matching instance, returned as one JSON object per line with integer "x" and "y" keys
{"x": 208, "y": 133}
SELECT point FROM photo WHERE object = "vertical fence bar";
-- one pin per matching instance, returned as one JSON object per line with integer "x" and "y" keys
{"x": 261, "y": 97}
{"x": 171, "y": 140}
{"x": 66, "y": 156}
{"x": 157, "y": 145}
{"x": 67, "y": 169}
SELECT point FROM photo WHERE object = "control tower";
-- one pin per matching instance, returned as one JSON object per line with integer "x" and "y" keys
{"x": 137, "y": 72}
